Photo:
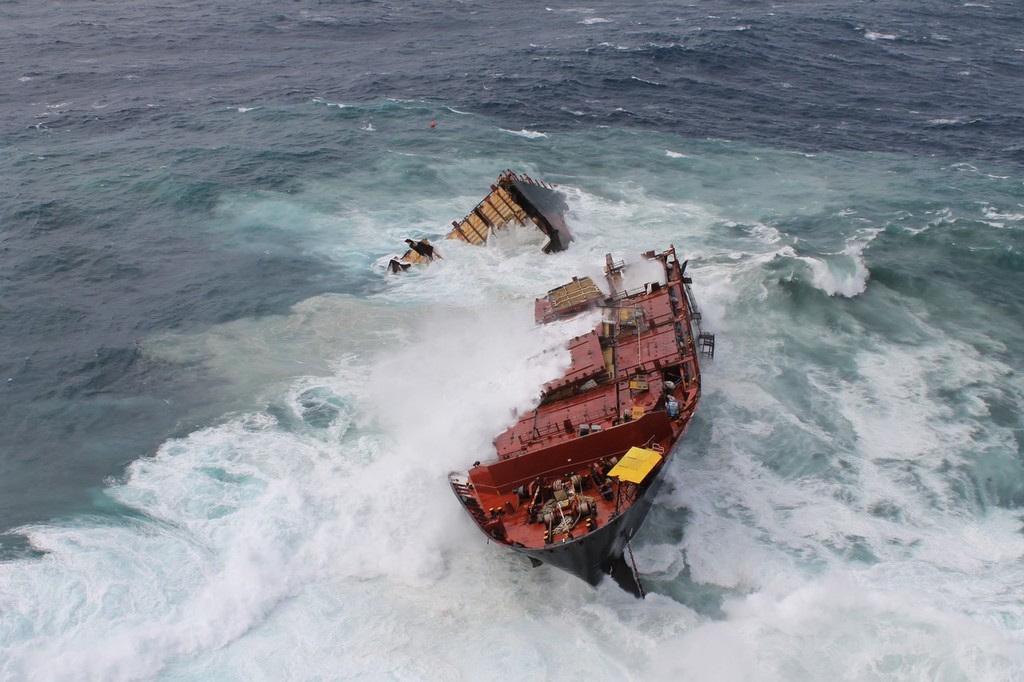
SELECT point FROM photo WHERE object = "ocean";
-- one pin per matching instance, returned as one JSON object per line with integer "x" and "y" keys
{"x": 225, "y": 429}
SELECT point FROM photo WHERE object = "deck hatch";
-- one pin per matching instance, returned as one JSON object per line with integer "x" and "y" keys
{"x": 635, "y": 465}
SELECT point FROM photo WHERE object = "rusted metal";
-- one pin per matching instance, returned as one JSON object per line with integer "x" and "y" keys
{"x": 513, "y": 199}
{"x": 633, "y": 382}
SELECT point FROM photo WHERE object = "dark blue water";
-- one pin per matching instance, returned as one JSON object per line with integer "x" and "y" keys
{"x": 178, "y": 182}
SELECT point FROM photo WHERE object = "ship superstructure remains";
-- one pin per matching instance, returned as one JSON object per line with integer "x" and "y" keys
{"x": 515, "y": 199}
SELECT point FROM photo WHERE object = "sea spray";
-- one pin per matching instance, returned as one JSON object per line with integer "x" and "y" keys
{"x": 853, "y": 471}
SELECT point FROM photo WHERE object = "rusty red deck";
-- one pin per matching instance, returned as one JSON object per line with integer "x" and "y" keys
{"x": 633, "y": 381}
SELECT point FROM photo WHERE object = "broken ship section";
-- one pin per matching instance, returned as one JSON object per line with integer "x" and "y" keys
{"x": 573, "y": 480}
{"x": 515, "y": 199}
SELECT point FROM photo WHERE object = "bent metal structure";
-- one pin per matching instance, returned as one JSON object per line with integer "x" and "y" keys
{"x": 572, "y": 481}
{"x": 514, "y": 199}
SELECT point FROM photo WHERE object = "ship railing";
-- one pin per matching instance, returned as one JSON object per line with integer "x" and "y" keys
{"x": 549, "y": 430}
{"x": 504, "y": 475}
{"x": 510, "y": 174}
{"x": 629, "y": 293}
{"x": 555, "y": 428}
{"x": 705, "y": 339}
{"x": 553, "y": 472}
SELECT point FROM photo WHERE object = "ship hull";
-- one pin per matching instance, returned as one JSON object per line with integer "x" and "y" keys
{"x": 575, "y": 478}
{"x": 600, "y": 553}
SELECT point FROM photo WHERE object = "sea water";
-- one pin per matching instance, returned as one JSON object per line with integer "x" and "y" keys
{"x": 227, "y": 429}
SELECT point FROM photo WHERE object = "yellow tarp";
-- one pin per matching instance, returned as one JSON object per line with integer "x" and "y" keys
{"x": 635, "y": 465}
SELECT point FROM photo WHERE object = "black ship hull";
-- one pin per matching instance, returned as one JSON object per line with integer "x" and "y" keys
{"x": 575, "y": 478}
{"x": 599, "y": 553}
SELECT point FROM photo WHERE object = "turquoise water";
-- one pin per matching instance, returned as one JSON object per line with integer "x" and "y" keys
{"x": 846, "y": 505}
{"x": 225, "y": 430}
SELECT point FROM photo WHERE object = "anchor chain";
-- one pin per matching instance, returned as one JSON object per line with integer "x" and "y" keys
{"x": 636, "y": 573}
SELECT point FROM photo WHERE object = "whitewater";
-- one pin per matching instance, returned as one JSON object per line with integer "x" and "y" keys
{"x": 838, "y": 510}
{"x": 226, "y": 429}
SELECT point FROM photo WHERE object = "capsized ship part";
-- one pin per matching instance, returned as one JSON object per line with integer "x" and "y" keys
{"x": 514, "y": 199}
{"x": 573, "y": 480}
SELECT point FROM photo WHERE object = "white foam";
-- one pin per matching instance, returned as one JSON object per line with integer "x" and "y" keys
{"x": 879, "y": 541}
{"x": 877, "y": 35}
{"x": 834, "y": 528}
{"x": 867, "y": 634}
{"x": 1001, "y": 218}
{"x": 846, "y": 273}
{"x": 528, "y": 134}
{"x": 339, "y": 105}
{"x": 235, "y": 518}
{"x": 642, "y": 80}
